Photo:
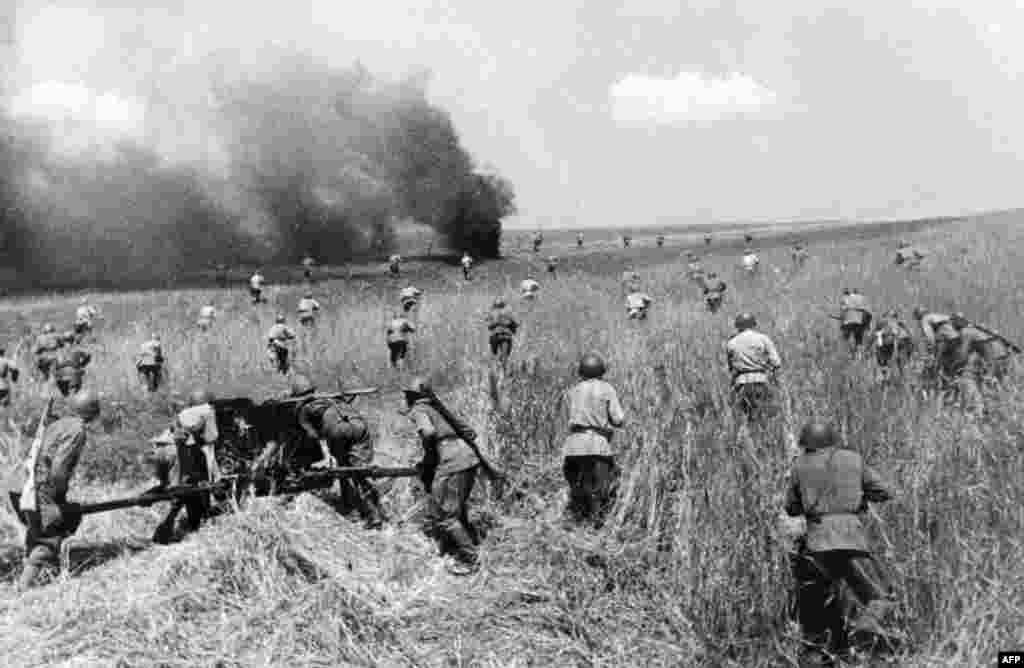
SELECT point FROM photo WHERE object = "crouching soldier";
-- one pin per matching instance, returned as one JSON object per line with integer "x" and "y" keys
{"x": 345, "y": 440}
{"x": 9, "y": 373}
{"x": 150, "y": 363}
{"x": 588, "y": 464}
{"x": 42, "y": 502}
{"x": 449, "y": 469}
{"x": 842, "y": 595}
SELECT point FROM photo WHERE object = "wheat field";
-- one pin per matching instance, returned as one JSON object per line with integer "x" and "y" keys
{"x": 691, "y": 569}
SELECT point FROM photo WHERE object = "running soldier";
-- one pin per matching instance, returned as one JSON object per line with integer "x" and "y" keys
{"x": 398, "y": 331}
{"x": 395, "y": 265}
{"x": 754, "y": 363}
{"x": 502, "y": 328}
{"x": 43, "y": 507}
{"x": 48, "y": 344}
{"x": 893, "y": 341}
{"x": 69, "y": 369}
{"x": 552, "y": 263}
{"x": 854, "y": 317}
{"x": 448, "y": 472}
{"x": 308, "y": 310}
{"x": 799, "y": 254}
{"x": 467, "y": 266}
{"x": 9, "y": 373}
{"x": 279, "y": 339}
{"x": 529, "y": 289}
{"x": 707, "y": 239}
{"x": 345, "y": 440}
{"x": 842, "y": 594}
{"x": 587, "y": 460}
{"x": 660, "y": 240}
{"x": 579, "y": 240}
{"x": 150, "y": 363}
{"x": 538, "y": 239}
{"x": 194, "y": 435}
{"x": 694, "y": 268}
{"x": 410, "y": 298}
{"x": 85, "y": 314}
{"x": 637, "y": 304}
{"x": 207, "y": 315}
{"x": 256, "y": 288}
{"x": 750, "y": 262}
{"x": 308, "y": 264}
{"x": 714, "y": 292}
{"x": 626, "y": 240}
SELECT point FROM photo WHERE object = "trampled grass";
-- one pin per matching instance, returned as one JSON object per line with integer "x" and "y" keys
{"x": 691, "y": 570}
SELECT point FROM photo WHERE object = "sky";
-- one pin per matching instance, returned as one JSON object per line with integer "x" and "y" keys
{"x": 600, "y": 112}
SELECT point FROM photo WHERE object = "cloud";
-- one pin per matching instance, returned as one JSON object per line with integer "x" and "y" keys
{"x": 689, "y": 97}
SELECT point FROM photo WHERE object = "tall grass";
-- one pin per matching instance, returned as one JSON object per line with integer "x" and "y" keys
{"x": 692, "y": 567}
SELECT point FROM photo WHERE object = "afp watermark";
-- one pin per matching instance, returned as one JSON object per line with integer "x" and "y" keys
{"x": 1011, "y": 659}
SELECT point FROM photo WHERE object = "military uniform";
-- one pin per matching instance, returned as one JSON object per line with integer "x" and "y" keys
{"x": 837, "y": 577}
{"x": 48, "y": 344}
{"x": 410, "y": 297}
{"x": 579, "y": 240}
{"x": 278, "y": 338}
{"x": 552, "y": 263}
{"x": 395, "y": 265}
{"x": 84, "y": 316}
{"x": 944, "y": 340}
{"x": 150, "y": 364}
{"x": 502, "y": 328}
{"x": 587, "y": 460}
{"x": 449, "y": 473}
{"x": 529, "y": 289}
{"x": 207, "y": 315}
{"x": 307, "y": 310}
{"x": 854, "y": 317}
{"x": 750, "y": 262}
{"x": 892, "y": 342}
{"x": 194, "y": 434}
{"x": 467, "y": 265}
{"x": 69, "y": 369}
{"x": 350, "y": 443}
{"x": 637, "y": 304}
{"x": 398, "y": 331}
{"x": 714, "y": 293}
{"x": 256, "y": 288}
{"x": 9, "y": 373}
{"x": 753, "y": 361}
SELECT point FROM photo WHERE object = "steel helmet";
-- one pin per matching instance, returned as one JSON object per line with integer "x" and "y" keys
{"x": 302, "y": 385}
{"x": 745, "y": 321}
{"x": 280, "y": 319}
{"x": 200, "y": 396}
{"x": 309, "y": 295}
{"x": 86, "y": 405}
{"x": 499, "y": 303}
{"x": 592, "y": 366}
{"x": 418, "y": 386}
{"x": 48, "y": 329}
{"x": 817, "y": 435}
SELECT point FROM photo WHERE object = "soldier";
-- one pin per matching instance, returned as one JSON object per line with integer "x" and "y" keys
{"x": 552, "y": 263}
{"x": 395, "y": 265}
{"x": 345, "y": 440}
{"x": 308, "y": 309}
{"x": 308, "y": 264}
{"x": 942, "y": 340}
{"x": 538, "y": 239}
{"x": 194, "y": 435}
{"x": 831, "y": 487}
{"x": 150, "y": 363}
{"x": 529, "y": 289}
{"x": 799, "y": 254}
{"x": 449, "y": 468}
{"x": 990, "y": 355}
{"x": 587, "y": 461}
{"x": 750, "y": 261}
{"x": 626, "y": 240}
{"x": 398, "y": 331}
{"x": 637, "y": 304}
{"x": 9, "y": 373}
{"x": 207, "y": 315}
{"x": 893, "y": 341}
{"x": 256, "y": 287}
{"x": 410, "y": 297}
{"x": 854, "y": 317}
{"x": 908, "y": 256}
{"x": 707, "y": 239}
{"x": 502, "y": 328}
{"x": 221, "y": 270}
{"x": 430, "y": 248}
{"x": 43, "y": 508}
{"x": 47, "y": 346}
{"x": 84, "y": 316}
{"x": 753, "y": 362}
{"x": 748, "y": 237}
{"x": 467, "y": 265}
{"x": 714, "y": 292}
{"x": 69, "y": 369}
{"x": 694, "y": 268}
{"x": 630, "y": 280}
{"x": 279, "y": 338}
{"x": 660, "y": 240}
{"x": 579, "y": 240}
{"x": 974, "y": 354}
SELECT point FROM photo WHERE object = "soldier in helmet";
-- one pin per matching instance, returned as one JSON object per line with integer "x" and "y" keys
{"x": 854, "y": 317}
{"x": 9, "y": 373}
{"x": 397, "y": 332}
{"x": 502, "y": 328}
{"x": 410, "y": 297}
{"x": 830, "y": 487}
{"x": 587, "y": 459}
{"x": 467, "y": 266}
{"x": 714, "y": 292}
{"x": 194, "y": 434}
{"x": 69, "y": 369}
{"x": 84, "y": 316}
{"x": 449, "y": 468}
{"x": 637, "y": 304}
{"x": 43, "y": 506}
{"x": 47, "y": 346}
{"x": 942, "y": 340}
{"x": 308, "y": 309}
{"x": 753, "y": 362}
{"x": 279, "y": 340}
{"x": 308, "y": 264}
{"x": 395, "y": 265}
{"x": 150, "y": 363}
{"x": 976, "y": 355}
{"x": 207, "y": 315}
{"x": 893, "y": 341}
{"x": 256, "y": 282}
{"x": 345, "y": 440}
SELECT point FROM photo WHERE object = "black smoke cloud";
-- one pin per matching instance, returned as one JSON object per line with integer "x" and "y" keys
{"x": 308, "y": 158}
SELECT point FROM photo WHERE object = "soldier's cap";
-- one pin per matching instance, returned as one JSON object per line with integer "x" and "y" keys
{"x": 592, "y": 366}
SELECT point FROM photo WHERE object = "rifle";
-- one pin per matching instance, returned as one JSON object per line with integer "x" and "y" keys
{"x": 347, "y": 396}
{"x": 309, "y": 480}
{"x": 496, "y": 477}
{"x": 28, "y": 492}
{"x": 1009, "y": 344}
